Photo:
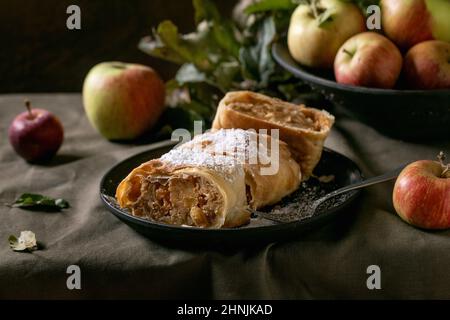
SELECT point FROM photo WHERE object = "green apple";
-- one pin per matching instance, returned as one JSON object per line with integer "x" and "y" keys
{"x": 123, "y": 100}
{"x": 408, "y": 22}
{"x": 318, "y": 28}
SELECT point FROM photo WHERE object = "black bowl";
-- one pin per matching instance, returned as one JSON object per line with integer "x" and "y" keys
{"x": 345, "y": 171}
{"x": 408, "y": 114}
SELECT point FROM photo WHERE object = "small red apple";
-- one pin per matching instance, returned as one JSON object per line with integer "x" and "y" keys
{"x": 369, "y": 60}
{"x": 422, "y": 194}
{"x": 36, "y": 134}
{"x": 408, "y": 22}
{"x": 427, "y": 65}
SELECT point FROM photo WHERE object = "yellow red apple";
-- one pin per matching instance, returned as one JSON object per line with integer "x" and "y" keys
{"x": 368, "y": 59}
{"x": 421, "y": 194}
{"x": 408, "y": 22}
{"x": 317, "y": 29}
{"x": 123, "y": 100}
{"x": 427, "y": 65}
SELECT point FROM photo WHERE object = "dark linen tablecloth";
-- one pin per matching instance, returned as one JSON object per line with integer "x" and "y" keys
{"x": 116, "y": 262}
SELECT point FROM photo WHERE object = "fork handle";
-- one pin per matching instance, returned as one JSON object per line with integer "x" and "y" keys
{"x": 390, "y": 175}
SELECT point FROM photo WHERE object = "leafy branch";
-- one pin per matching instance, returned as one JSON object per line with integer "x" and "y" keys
{"x": 220, "y": 56}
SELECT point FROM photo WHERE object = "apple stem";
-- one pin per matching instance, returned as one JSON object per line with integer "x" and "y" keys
{"x": 348, "y": 52}
{"x": 445, "y": 167}
{"x": 314, "y": 8}
{"x": 28, "y": 105}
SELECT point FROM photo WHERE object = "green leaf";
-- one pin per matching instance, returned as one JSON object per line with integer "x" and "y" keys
{"x": 249, "y": 62}
{"x": 214, "y": 39}
{"x": 168, "y": 44}
{"x": 225, "y": 38}
{"x": 257, "y": 61}
{"x": 226, "y": 74}
{"x": 325, "y": 17}
{"x": 168, "y": 33}
{"x": 266, "y": 63}
{"x": 25, "y": 242}
{"x": 176, "y": 94}
{"x": 270, "y": 5}
{"x": 282, "y": 20}
{"x": 180, "y": 118}
{"x": 191, "y": 98}
{"x": 155, "y": 47}
{"x": 37, "y": 201}
{"x": 198, "y": 110}
{"x": 205, "y": 10}
{"x": 223, "y": 29}
{"x": 189, "y": 73}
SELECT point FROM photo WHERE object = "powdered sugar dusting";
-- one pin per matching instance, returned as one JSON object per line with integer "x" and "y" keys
{"x": 225, "y": 150}
{"x": 227, "y": 142}
{"x": 199, "y": 158}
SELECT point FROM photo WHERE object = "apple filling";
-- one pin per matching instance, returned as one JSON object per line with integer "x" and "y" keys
{"x": 280, "y": 114}
{"x": 181, "y": 200}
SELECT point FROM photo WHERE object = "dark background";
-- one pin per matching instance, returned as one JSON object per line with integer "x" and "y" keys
{"x": 39, "y": 54}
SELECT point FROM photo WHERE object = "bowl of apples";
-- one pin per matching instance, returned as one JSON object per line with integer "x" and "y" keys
{"x": 396, "y": 79}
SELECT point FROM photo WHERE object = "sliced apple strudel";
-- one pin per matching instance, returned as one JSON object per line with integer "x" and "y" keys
{"x": 303, "y": 129}
{"x": 211, "y": 181}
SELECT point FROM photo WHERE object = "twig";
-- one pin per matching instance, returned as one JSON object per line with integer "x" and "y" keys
{"x": 314, "y": 8}
{"x": 445, "y": 167}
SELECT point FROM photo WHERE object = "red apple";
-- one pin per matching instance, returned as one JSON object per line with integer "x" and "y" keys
{"x": 369, "y": 60}
{"x": 422, "y": 194}
{"x": 427, "y": 65}
{"x": 36, "y": 134}
{"x": 317, "y": 29}
{"x": 122, "y": 100}
{"x": 408, "y": 22}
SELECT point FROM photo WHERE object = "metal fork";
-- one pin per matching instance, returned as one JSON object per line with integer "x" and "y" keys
{"x": 393, "y": 174}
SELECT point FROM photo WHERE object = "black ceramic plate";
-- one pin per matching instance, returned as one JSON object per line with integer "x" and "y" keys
{"x": 399, "y": 113}
{"x": 332, "y": 163}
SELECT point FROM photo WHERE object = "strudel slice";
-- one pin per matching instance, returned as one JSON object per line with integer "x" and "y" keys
{"x": 211, "y": 181}
{"x": 303, "y": 129}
